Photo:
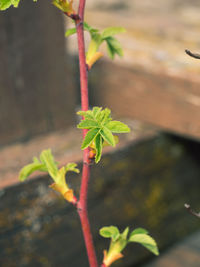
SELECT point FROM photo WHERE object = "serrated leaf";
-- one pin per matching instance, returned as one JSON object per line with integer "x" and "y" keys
{"x": 86, "y": 114}
{"x": 70, "y": 32}
{"x": 104, "y": 117}
{"x": 89, "y": 138}
{"x": 114, "y": 47}
{"x": 29, "y": 169}
{"x": 98, "y": 146}
{"x": 112, "y": 31}
{"x": 138, "y": 231}
{"x": 87, "y": 124}
{"x": 107, "y": 136}
{"x": 96, "y": 111}
{"x": 117, "y": 127}
{"x": 145, "y": 240}
{"x": 71, "y": 167}
{"x": 107, "y": 117}
{"x": 47, "y": 159}
{"x": 110, "y": 232}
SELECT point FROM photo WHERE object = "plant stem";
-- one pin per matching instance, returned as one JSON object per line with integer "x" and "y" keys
{"x": 82, "y": 204}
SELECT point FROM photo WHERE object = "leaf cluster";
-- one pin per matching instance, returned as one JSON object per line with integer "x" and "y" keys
{"x": 101, "y": 128}
{"x": 97, "y": 38}
{"x": 120, "y": 240}
{"x": 5, "y": 4}
{"x": 46, "y": 163}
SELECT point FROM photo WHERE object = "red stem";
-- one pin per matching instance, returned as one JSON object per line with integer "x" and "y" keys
{"x": 82, "y": 204}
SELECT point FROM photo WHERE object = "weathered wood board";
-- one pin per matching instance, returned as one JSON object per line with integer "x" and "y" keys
{"x": 36, "y": 87}
{"x": 145, "y": 184}
{"x": 171, "y": 103}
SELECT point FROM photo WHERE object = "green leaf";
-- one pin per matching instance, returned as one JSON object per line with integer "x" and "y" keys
{"x": 107, "y": 136}
{"x": 4, "y": 4}
{"x": 29, "y": 169}
{"x": 87, "y": 124}
{"x": 125, "y": 233}
{"x": 104, "y": 117}
{"x": 89, "y": 138}
{"x": 138, "y": 231}
{"x": 93, "y": 46}
{"x": 110, "y": 232}
{"x": 97, "y": 120}
{"x": 86, "y": 114}
{"x": 47, "y": 159}
{"x": 60, "y": 177}
{"x": 112, "y": 31}
{"x": 145, "y": 240}
{"x": 88, "y": 28}
{"x": 96, "y": 111}
{"x": 71, "y": 167}
{"x": 98, "y": 145}
{"x": 117, "y": 127}
{"x": 114, "y": 47}
{"x": 70, "y": 32}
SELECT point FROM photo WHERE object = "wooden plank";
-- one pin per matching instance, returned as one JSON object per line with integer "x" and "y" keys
{"x": 142, "y": 185}
{"x": 169, "y": 102}
{"x": 36, "y": 89}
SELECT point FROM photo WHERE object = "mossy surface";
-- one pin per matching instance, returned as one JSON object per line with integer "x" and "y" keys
{"x": 144, "y": 185}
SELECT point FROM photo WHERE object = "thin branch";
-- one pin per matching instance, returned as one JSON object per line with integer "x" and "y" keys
{"x": 188, "y": 207}
{"x": 82, "y": 204}
{"x": 189, "y": 53}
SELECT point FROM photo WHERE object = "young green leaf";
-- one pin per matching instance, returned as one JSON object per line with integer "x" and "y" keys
{"x": 96, "y": 111}
{"x": 86, "y": 114}
{"x": 100, "y": 119}
{"x": 93, "y": 46}
{"x": 70, "y": 32}
{"x": 88, "y": 28}
{"x": 114, "y": 47}
{"x": 4, "y": 4}
{"x": 112, "y": 31}
{"x": 29, "y": 169}
{"x": 65, "y": 6}
{"x": 89, "y": 138}
{"x": 47, "y": 159}
{"x": 71, "y": 167}
{"x": 117, "y": 127}
{"x": 138, "y": 231}
{"x": 110, "y": 232}
{"x": 145, "y": 240}
{"x": 98, "y": 146}
{"x": 88, "y": 124}
{"x": 125, "y": 233}
{"x": 107, "y": 136}
{"x": 119, "y": 242}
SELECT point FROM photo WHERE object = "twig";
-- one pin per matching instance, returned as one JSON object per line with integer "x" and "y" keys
{"x": 188, "y": 207}
{"x": 189, "y": 53}
{"x": 82, "y": 204}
